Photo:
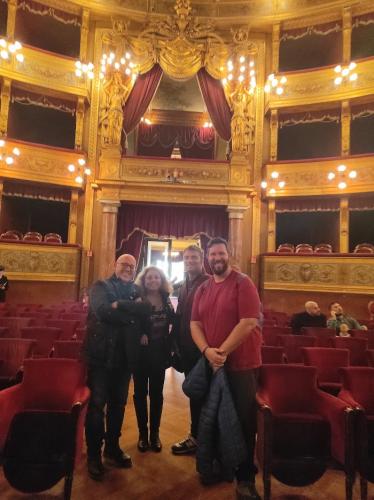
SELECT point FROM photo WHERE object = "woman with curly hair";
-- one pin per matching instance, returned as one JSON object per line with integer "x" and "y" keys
{"x": 149, "y": 376}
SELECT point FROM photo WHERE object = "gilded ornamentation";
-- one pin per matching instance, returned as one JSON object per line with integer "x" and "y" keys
{"x": 243, "y": 121}
{"x": 4, "y": 105}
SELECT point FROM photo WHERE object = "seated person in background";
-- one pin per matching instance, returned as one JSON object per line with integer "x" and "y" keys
{"x": 312, "y": 316}
{"x": 337, "y": 317}
{"x": 4, "y": 284}
{"x": 344, "y": 330}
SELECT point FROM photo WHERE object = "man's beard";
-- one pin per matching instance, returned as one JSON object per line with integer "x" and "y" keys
{"x": 224, "y": 266}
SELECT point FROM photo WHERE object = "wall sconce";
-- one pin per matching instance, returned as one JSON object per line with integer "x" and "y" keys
{"x": 275, "y": 83}
{"x": 342, "y": 176}
{"x": 147, "y": 121}
{"x": 11, "y": 49}
{"x": 125, "y": 64}
{"x": 7, "y": 155}
{"x": 80, "y": 169}
{"x": 273, "y": 184}
{"x": 84, "y": 70}
{"x": 345, "y": 73}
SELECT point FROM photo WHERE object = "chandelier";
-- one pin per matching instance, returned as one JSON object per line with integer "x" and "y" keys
{"x": 345, "y": 73}
{"x": 84, "y": 70}
{"x": 342, "y": 176}
{"x": 240, "y": 70}
{"x": 274, "y": 83}
{"x": 111, "y": 62}
{"x": 273, "y": 184}
{"x": 8, "y": 155}
{"x": 8, "y": 50}
{"x": 80, "y": 169}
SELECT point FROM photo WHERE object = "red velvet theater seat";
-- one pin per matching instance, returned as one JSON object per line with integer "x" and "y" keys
{"x": 357, "y": 348}
{"x": 67, "y": 349}
{"x": 300, "y": 428}
{"x": 358, "y": 392}
{"x": 68, "y": 327}
{"x": 13, "y": 353}
{"x": 370, "y": 357}
{"x": 323, "y": 335}
{"x": 272, "y": 355}
{"x": 292, "y": 345}
{"x": 41, "y": 425}
{"x": 44, "y": 338}
{"x": 328, "y": 362}
{"x": 270, "y": 334}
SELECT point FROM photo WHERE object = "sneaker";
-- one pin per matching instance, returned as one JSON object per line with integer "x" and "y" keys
{"x": 188, "y": 445}
{"x": 95, "y": 468}
{"x": 117, "y": 458}
{"x": 246, "y": 490}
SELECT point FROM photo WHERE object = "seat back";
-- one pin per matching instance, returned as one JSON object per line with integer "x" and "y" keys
{"x": 80, "y": 333}
{"x": 270, "y": 334}
{"x": 359, "y": 382}
{"x": 327, "y": 361}
{"x": 52, "y": 238}
{"x": 286, "y": 248}
{"x": 272, "y": 355}
{"x": 370, "y": 357}
{"x": 323, "y": 248}
{"x": 289, "y": 388}
{"x": 43, "y": 336}
{"x": 356, "y": 346}
{"x": 292, "y": 345}
{"x": 11, "y": 234}
{"x": 67, "y": 349}
{"x": 68, "y": 327}
{"x": 304, "y": 248}
{"x": 364, "y": 248}
{"x": 323, "y": 335}
{"x": 33, "y": 236}
{"x": 13, "y": 352}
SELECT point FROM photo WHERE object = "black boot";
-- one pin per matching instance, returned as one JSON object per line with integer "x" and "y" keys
{"x": 95, "y": 468}
{"x": 156, "y": 444}
{"x": 143, "y": 443}
{"x": 116, "y": 457}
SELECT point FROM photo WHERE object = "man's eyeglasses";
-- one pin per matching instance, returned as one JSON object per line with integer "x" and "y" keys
{"x": 130, "y": 267}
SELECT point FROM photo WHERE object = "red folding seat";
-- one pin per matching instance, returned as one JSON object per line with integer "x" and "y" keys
{"x": 80, "y": 333}
{"x": 68, "y": 327}
{"x": 44, "y": 338}
{"x": 270, "y": 334}
{"x": 292, "y": 345}
{"x": 67, "y": 349}
{"x": 14, "y": 324}
{"x": 272, "y": 355}
{"x": 370, "y": 357}
{"x": 13, "y": 353}
{"x": 358, "y": 392}
{"x": 328, "y": 362}
{"x": 286, "y": 248}
{"x": 356, "y": 346}
{"x": 81, "y": 317}
{"x": 300, "y": 428}
{"x": 4, "y": 332}
{"x": 304, "y": 248}
{"x": 41, "y": 425}
{"x": 323, "y": 334}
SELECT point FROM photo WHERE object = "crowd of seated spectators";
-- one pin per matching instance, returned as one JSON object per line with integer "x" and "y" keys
{"x": 321, "y": 248}
{"x": 33, "y": 236}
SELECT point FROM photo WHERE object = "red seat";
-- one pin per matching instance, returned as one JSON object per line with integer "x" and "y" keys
{"x": 44, "y": 338}
{"x": 323, "y": 248}
{"x": 68, "y": 327}
{"x": 41, "y": 425}
{"x": 304, "y": 248}
{"x": 356, "y": 346}
{"x": 364, "y": 248}
{"x": 272, "y": 355}
{"x": 358, "y": 392}
{"x": 11, "y": 235}
{"x": 33, "y": 236}
{"x": 12, "y": 353}
{"x": 286, "y": 248}
{"x": 4, "y": 332}
{"x": 370, "y": 357}
{"x": 67, "y": 349}
{"x": 270, "y": 334}
{"x": 81, "y": 317}
{"x": 324, "y": 335}
{"x": 53, "y": 238}
{"x": 328, "y": 362}
{"x": 299, "y": 428}
{"x": 80, "y": 333}
{"x": 292, "y": 345}
{"x": 14, "y": 324}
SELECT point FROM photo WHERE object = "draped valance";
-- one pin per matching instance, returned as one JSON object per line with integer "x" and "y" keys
{"x": 362, "y": 111}
{"x": 328, "y": 204}
{"x": 361, "y": 203}
{"x": 27, "y": 98}
{"x": 36, "y": 191}
{"x": 319, "y": 30}
{"x": 318, "y": 116}
{"x": 363, "y": 20}
{"x": 167, "y": 135}
{"x": 40, "y": 9}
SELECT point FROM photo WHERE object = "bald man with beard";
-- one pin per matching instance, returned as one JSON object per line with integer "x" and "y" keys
{"x": 312, "y": 316}
{"x": 116, "y": 320}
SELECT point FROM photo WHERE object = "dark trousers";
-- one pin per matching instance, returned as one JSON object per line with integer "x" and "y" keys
{"x": 243, "y": 385}
{"x": 109, "y": 388}
{"x": 189, "y": 359}
{"x": 149, "y": 378}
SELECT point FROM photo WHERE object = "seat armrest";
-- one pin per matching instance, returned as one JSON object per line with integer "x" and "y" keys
{"x": 347, "y": 397}
{"x": 11, "y": 402}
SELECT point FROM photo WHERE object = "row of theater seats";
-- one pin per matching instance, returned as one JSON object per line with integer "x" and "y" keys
{"x": 33, "y": 236}
{"x": 305, "y": 248}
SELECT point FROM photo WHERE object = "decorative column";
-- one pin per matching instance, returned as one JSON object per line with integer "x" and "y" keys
{"x": 346, "y": 128}
{"x": 1, "y": 193}
{"x": 4, "y": 105}
{"x": 344, "y": 226}
{"x": 73, "y": 217}
{"x": 107, "y": 247}
{"x": 84, "y": 34}
{"x": 347, "y": 34}
{"x": 271, "y": 226}
{"x": 11, "y": 19}
{"x": 274, "y": 135}
{"x": 79, "y": 120}
{"x": 275, "y": 48}
{"x": 236, "y": 233}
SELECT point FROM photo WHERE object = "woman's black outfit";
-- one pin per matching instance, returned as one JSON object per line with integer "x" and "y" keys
{"x": 149, "y": 376}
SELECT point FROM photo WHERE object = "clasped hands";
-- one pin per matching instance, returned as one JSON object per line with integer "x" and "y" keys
{"x": 216, "y": 357}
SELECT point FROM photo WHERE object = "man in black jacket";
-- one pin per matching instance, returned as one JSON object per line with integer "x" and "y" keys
{"x": 312, "y": 316}
{"x": 116, "y": 320}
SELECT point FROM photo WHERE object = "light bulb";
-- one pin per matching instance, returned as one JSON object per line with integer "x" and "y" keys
{"x": 252, "y": 72}
{"x": 128, "y": 55}
{"x": 341, "y": 168}
{"x": 224, "y": 81}
{"x": 12, "y": 48}
{"x": 338, "y": 69}
{"x": 230, "y": 77}
{"x": 90, "y": 75}
{"x": 271, "y": 77}
{"x": 17, "y": 45}
{"x": 241, "y": 78}
{"x": 353, "y": 77}
{"x": 281, "y": 184}
{"x": 342, "y": 185}
{"x": 264, "y": 184}
{"x": 117, "y": 65}
{"x": 16, "y": 151}
{"x": 87, "y": 171}
{"x": 352, "y": 66}
{"x": 338, "y": 80}
{"x": 128, "y": 71}
{"x": 242, "y": 69}
{"x": 272, "y": 191}
{"x": 352, "y": 174}
{"x": 82, "y": 161}
{"x": 331, "y": 176}
{"x": 3, "y": 43}
{"x": 241, "y": 59}
{"x": 9, "y": 160}
{"x": 4, "y": 54}
{"x": 112, "y": 55}
{"x": 90, "y": 66}
{"x": 20, "y": 58}
{"x": 71, "y": 168}
{"x": 279, "y": 90}
{"x": 79, "y": 179}
{"x": 283, "y": 79}
{"x": 274, "y": 175}
{"x": 123, "y": 60}
{"x": 78, "y": 72}
{"x": 2, "y": 143}
{"x": 345, "y": 71}
{"x": 78, "y": 64}
{"x": 267, "y": 88}
{"x": 251, "y": 64}
{"x": 274, "y": 82}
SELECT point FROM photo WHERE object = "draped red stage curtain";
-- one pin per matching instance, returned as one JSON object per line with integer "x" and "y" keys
{"x": 168, "y": 221}
{"x": 215, "y": 100}
{"x": 140, "y": 97}
{"x": 156, "y": 140}
{"x": 196, "y": 142}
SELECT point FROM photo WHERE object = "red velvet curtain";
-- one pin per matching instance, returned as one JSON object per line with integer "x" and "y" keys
{"x": 140, "y": 97}
{"x": 168, "y": 221}
{"x": 215, "y": 100}
{"x": 156, "y": 140}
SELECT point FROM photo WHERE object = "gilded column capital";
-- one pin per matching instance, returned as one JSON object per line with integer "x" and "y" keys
{"x": 110, "y": 206}
{"x": 236, "y": 212}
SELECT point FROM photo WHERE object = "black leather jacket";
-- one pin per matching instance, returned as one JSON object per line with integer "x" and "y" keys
{"x": 113, "y": 335}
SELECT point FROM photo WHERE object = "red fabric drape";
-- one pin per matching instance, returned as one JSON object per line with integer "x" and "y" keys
{"x": 169, "y": 221}
{"x": 36, "y": 8}
{"x": 140, "y": 97}
{"x": 36, "y": 191}
{"x": 156, "y": 140}
{"x": 328, "y": 204}
{"x": 215, "y": 101}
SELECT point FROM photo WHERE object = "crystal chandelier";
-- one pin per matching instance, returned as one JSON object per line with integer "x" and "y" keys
{"x": 8, "y": 155}
{"x": 81, "y": 170}
{"x": 273, "y": 184}
{"x": 344, "y": 73}
{"x": 9, "y": 50}
{"x": 275, "y": 83}
{"x": 342, "y": 176}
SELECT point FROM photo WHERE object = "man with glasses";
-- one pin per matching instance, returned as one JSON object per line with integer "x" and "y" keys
{"x": 117, "y": 318}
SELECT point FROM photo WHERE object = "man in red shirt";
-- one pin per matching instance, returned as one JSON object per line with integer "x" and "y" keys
{"x": 224, "y": 326}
